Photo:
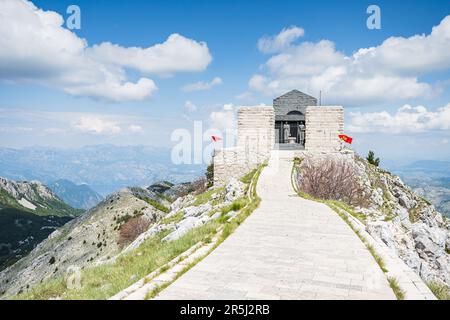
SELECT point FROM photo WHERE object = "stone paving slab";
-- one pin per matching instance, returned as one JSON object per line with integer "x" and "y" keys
{"x": 288, "y": 248}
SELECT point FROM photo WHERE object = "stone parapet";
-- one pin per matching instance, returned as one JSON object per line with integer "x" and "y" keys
{"x": 255, "y": 140}
{"x": 323, "y": 126}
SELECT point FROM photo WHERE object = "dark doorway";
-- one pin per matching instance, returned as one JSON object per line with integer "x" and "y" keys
{"x": 296, "y": 130}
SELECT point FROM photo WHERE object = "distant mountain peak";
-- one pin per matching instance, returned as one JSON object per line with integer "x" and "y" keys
{"x": 77, "y": 195}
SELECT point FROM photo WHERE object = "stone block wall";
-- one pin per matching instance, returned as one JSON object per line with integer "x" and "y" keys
{"x": 256, "y": 132}
{"x": 255, "y": 140}
{"x": 323, "y": 125}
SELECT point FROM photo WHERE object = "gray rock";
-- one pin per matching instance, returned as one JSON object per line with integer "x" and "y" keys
{"x": 216, "y": 215}
{"x": 234, "y": 190}
{"x": 184, "y": 226}
{"x": 429, "y": 242}
{"x": 382, "y": 231}
{"x": 196, "y": 211}
{"x": 403, "y": 199}
{"x": 144, "y": 236}
{"x": 377, "y": 197}
{"x": 403, "y": 217}
{"x": 231, "y": 215}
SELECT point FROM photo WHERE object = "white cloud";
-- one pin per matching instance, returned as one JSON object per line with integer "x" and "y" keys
{"x": 407, "y": 119}
{"x": 281, "y": 40}
{"x": 224, "y": 119}
{"x": 189, "y": 106}
{"x": 201, "y": 85}
{"x": 95, "y": 125}
{"x": 387, "y": 72}
{"x": 176, "y": 54}
{"x": 36, "y": 48}
{"x": 134, "y": 128}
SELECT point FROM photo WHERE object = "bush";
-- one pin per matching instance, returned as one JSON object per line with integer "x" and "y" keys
{"x": 372, "y": 160}
{"x": 331, "y": 179}
{"x": 131, "y": 229}
{"x": 210, "y": 175}
{"x": 199, "y": 185}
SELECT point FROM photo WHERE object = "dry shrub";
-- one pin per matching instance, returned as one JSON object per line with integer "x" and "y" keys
{"x": 199, "y": 185}
{"x": 331, "y": 178}
{"x": 131, "y": 229}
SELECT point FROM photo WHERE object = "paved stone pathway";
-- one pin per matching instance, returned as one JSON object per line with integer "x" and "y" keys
{"x": 288, "y": 248}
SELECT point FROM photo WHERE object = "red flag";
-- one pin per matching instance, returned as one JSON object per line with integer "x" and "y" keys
{"x": 346, "y": 138}
{"x": 216, "y": 138}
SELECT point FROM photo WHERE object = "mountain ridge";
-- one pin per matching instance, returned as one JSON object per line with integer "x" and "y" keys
{"x": 29, "y": 212}
{"x": 79, "y": 196}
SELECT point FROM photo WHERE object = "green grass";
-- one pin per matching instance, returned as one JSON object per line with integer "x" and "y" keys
{"x": 248, "y": 177}
{"x": 235, "y": 206}
{"x": 156, "y": 205}
{"x": 375, "y": 255}
{"x": 399, "y": 293}
{"x": 104, "y": 281}
{"x": 177, "y": 217}
{"x": 207, "y": 196}
{"x": 344, "y": 206}
{"x": 440, "y": 290}
{"x": 426, "y": 201}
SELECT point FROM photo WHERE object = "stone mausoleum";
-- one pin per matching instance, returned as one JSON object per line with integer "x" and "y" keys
{"x": 294, "y": 122}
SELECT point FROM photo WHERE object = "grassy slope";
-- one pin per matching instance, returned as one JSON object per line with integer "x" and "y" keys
{"x": 18, "y": 223}
{"x": 102, "y": 282}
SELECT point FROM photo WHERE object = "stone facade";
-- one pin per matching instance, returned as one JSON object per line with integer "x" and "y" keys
{"x": 255, "y": 140}
{"x": 256, "y": 131}
{"x": 256, "y": 134}
{"x": 323, "y": 125}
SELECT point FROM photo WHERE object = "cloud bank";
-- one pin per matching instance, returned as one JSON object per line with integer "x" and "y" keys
{"x": 390, "y": 71}
{"x": 36, "y": 48}
{"x": 406, "y": 119}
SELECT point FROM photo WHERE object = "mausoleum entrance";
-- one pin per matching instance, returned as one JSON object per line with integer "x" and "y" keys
{"x": 290, "y": 119}
{"x": 290, "y": 132}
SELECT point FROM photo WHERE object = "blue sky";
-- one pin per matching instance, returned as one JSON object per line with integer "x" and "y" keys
{"x": 54, "y": 109}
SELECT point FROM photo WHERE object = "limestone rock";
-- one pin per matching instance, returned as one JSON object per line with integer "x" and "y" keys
{"x": 234, "y": 190}
{"x": 377, "y": 197}
{"x": 195, "y": 211}
{"x": 184, "y": 226}
{"x": 382, "y": 231}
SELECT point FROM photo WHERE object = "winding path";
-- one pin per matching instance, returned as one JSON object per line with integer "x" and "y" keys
{"x": 288, "y": 248}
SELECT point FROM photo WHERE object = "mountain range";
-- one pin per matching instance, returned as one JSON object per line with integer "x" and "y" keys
{"x": 29, "y": 212}
{"x": 78, "y": 196}
{"x": 104, "y": 168}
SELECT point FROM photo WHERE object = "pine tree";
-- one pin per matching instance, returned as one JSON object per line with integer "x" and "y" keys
{"x": 372, "y": 160}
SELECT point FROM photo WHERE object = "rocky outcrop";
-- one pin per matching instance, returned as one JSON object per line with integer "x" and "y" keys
{"x": 33, "y": 190}
{"x": 407, "y": 223}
